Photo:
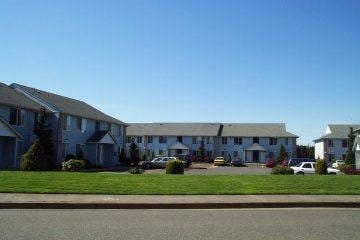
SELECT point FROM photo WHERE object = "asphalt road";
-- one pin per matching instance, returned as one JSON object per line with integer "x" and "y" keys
{"x": 181, "y": 224}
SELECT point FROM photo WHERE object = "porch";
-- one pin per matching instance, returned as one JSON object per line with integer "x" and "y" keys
{"x": 178, "y": 148}
{"x": 9, "y": 138}
{"x": 255, "y": 153}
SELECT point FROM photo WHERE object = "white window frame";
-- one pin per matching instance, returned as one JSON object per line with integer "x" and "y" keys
{"x": 164, "y": 139}
{"x": 67, "y": 123}
{"x": 64, "y": 151}
{"x": 150, "y": 139}
{"x": 224, "y": 141}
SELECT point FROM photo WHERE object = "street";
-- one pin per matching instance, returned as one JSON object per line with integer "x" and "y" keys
{"x": 299, "y": 223}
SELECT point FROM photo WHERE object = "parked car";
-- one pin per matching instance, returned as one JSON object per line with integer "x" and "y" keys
{"x": 219, "y": 161}
{"x": 145, "y": 164}
{"x": 337, "y": 163}
{"x": 296, "y": 161}
{"x": 184, "y": 158}
{"x": 270, "y": 163}
{"x": 160, "y": 162}
{"x": 309, "y": 168}
{"x": 236, "y": 162}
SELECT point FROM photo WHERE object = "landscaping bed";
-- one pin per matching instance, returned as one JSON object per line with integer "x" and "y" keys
{"x": 113, "y": 183}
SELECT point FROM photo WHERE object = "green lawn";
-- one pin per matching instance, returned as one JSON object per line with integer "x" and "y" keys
{"x": 110, "y": 183}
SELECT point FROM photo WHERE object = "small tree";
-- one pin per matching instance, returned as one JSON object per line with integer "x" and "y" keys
{"x": 42, "y": 129}
{"x": 282, "y": 154}
{"x": 152, "y": 155}
{"x": 144, "y": 157}
{"x": 33, "y": 160}
{"x": 320, "y": 167}
{"x": 122, "y": 156}
{"x": 202, "y": 150}
{"x": 350, "y": 154}
{"x": 133, "y": 152}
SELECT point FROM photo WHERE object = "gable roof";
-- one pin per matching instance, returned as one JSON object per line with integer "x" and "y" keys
{"x": 6, "y": 130}
{"x": 178, "y": 145}
{"x": 338, "y": 131}
{"x": 255, "y": 147}
{"x": 255, "y": 130}
{"x": 173, "y": 129}
{"x": 209, "y": 129}
{"x": 68, "y": 105}
{"x": 12, "y": 98}
{"x": 99, "y": 135}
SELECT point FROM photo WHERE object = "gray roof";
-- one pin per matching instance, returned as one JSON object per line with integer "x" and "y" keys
{"x": 256, "y": 130}
{"x": 338, "y": 131}
{"x": 12, "y": 98}
{"x": 209, "y": 129}
{"x": 173, "y": 129}
{"x": 97, "y": 136}
{"x": 69, "y": 106}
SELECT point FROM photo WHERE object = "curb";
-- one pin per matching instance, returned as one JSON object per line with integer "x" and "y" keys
{"x": 49, "y": 205}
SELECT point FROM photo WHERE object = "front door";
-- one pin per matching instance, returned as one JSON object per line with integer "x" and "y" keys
{"x": 178, "y": 151}
{"x": 256, "y": 156}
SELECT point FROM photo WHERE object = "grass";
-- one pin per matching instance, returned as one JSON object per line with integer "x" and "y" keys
{"x": 112, "y": 183}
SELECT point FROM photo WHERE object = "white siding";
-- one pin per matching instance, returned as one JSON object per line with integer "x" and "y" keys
{"x": 319, "y": 150}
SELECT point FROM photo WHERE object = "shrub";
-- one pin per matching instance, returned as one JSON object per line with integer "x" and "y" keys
{"x": 320, "y": 167}
{"x": 174, "y": 167}
{"x": 35, "y": 159}
{"x": 70, "y": 156}
{"x": 136, "y": 171}
{"x": 73, "y": 165}
{"x": 270, "y": 163}
{"x": 349, "y": 169}
{"x": 282, "y": 170}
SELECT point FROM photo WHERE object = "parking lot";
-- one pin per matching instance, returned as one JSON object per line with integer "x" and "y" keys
{"x": 210, "y": 169}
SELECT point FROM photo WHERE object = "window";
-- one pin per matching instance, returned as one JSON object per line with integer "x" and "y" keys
{"x": 81, "y": 124}
{"x": 17, "y": 117}
{"x": 128, "y": 139}
{"x": 161, "y": 152}
{"x": 162, "y": 139}
{"x": 224, "y": 140}
{"x": 150, "y": 139}
{"x": 286, "y": 141}
{"x": 67, "y": 123}
{"x": 207, "y": 140}
{"x": 237, "y": 141}
{"x": 344, "y": 143}
{"x": 179, "y": 138}
{"x": 256, "y": 140}
{"x": 64, "y": 149}
{"x": 236, "y": 154}
{"x": 307, "y": 165}
{"x": 139, "y": 139}
{"x": 272, "y": 141}
{"x": 330, "y": 143}
{"x": 80, "y": 149}
{"x": 193, "y": 140}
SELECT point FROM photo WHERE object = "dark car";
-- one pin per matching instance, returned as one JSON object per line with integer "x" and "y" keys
{"x": 295, "y": 161}
{"x": 184, "y": 158}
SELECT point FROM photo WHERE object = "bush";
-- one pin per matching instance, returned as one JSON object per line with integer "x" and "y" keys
{"x": 73, "y": 165}
{"x": 174, "y": 167}
{"x": 282, "y": 170}
{"x": 70, "y": 156}
{"x": 136, "y": 171}
{"x": 349, "y": 169}
{"x": 35, "y": 159}
{"x": 320, "y": 167}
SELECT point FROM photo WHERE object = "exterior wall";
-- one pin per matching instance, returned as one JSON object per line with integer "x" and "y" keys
{"x": 155, "y": 146}
{"x": 215, "y": 146}
{"x": 319, "y": 150}
{"x": 26, "y": 131}
{"x": 323, "y": 150}
{"x": 75, "y": 136}
{"x": 8, "y": 153}
{"x": 357, "y": 158}
{"x": 230, "y": 148}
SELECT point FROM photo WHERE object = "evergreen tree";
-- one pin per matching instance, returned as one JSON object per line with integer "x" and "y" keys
{"x": 133, "y": 153}
{"x": 282, "y": 154}
{"x": 202, "y": 150}
{"x": 350, "y": 154}
{"x": 33, "y": 160}
{"x": 42, "y": 129}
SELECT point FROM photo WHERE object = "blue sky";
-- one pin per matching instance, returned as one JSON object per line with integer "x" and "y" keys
{"x": 196, "y": 61}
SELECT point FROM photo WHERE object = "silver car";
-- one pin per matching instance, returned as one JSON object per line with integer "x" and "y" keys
{"x": 160, "y": 162}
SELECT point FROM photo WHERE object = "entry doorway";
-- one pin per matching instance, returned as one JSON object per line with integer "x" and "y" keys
{"x": 256, "y": 156}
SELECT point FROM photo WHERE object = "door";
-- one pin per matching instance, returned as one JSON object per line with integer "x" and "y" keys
{"x": 178, "y": 151}
{"x": 256, "y": 156}
{"x": 308, "y": 168}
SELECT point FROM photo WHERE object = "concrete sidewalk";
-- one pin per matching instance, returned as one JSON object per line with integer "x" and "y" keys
{"x": 77, "y": 201}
